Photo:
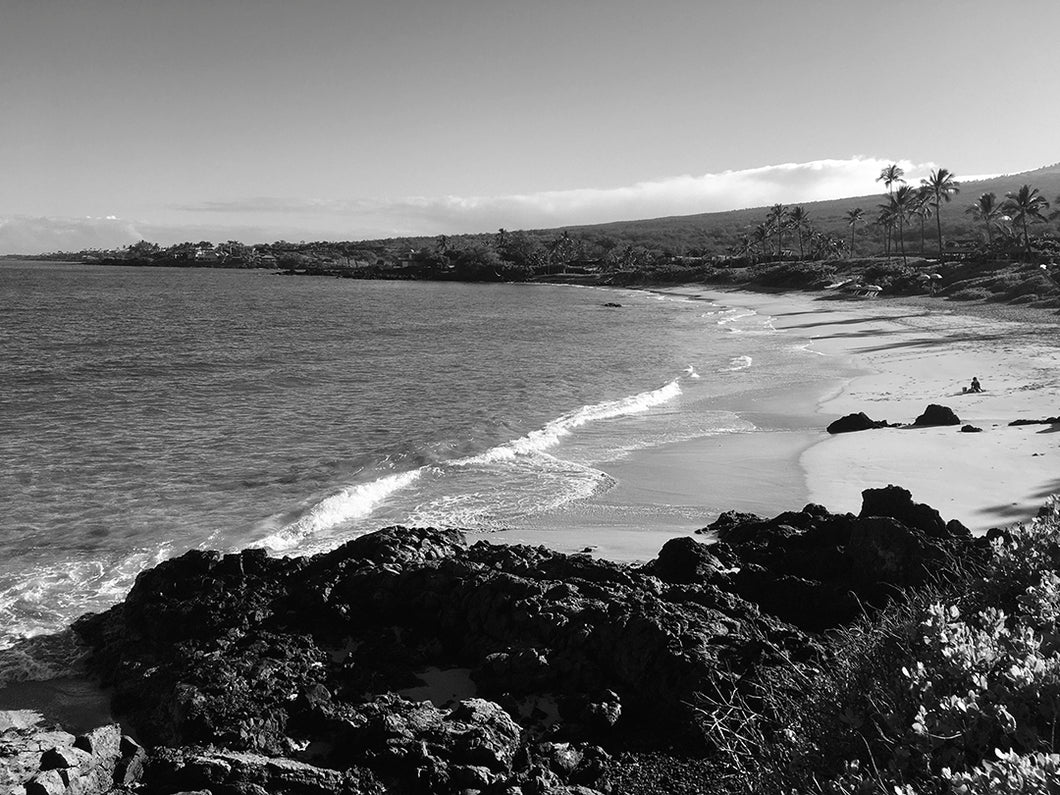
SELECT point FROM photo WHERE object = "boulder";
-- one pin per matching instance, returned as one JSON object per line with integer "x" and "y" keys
{"x": 970, "y": 429}
{"x": 25, "y": 737}
{"x": 683, "y": 560}
{"x": 856, "y": 422}
{"x": 935, "y": 414}
{"x": 897, "y": 503}
{"x": 89, "y": 764}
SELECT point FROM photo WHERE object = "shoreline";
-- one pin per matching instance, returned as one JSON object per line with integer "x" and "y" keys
{"x": 674, "y": 489}
{"x": 892, "y": 359}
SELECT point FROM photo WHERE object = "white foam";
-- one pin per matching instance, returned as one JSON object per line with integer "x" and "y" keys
{"x": 551, "y": 434}
{"x": 50, "y": 596}
{"x": 738, "y": 363}
{"x": 732, "y": 315}
{"x": 519, "y": 487}
{"x": 354, "y": 502}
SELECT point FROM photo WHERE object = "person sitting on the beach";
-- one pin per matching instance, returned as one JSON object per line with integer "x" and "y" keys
{"x": 975, "y": 387}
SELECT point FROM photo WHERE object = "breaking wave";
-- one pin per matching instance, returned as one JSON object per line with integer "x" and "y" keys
{"x": 550, "y": 435}
{"x": 350, "y": 503}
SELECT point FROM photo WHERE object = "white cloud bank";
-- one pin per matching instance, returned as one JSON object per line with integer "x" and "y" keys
{"x": 270, "y": 218}
{"x": 685, "y": 195}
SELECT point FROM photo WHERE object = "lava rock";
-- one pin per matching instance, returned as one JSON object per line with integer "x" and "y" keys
{"x": 856, "y": 422}
{"x": 897, "y": 503}
{"x": 221, "y": 771}
{"x": 935, "y": 414}
{"x": 683, "y": 560}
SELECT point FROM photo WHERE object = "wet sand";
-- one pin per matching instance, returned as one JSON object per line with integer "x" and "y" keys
{"x": 891, "y": 360}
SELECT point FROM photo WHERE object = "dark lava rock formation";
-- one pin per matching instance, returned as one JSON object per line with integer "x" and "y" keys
{"x": 249, "y": 674}
{"x": 935, "y": 414}
{"x": 856, "y": 422}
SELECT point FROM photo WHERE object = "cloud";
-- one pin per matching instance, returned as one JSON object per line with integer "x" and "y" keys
{"x": 34, "y": 235}
{"x": 680, "y": 195}
{"x": 263, "y": 218}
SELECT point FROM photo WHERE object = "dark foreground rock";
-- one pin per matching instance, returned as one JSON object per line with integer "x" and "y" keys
{"x": 249, "y": 674}
{"x": 818, "y": 570}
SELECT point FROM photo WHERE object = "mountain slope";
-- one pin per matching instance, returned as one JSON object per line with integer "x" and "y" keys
{"x": 718, "y": 230}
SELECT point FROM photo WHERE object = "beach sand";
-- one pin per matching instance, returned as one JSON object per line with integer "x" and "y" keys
{"x": 891, "y": 359}
{"x": 988, "y": 479}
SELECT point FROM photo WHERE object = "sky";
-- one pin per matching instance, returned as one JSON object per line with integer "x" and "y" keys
{"x": 260, "y": 120}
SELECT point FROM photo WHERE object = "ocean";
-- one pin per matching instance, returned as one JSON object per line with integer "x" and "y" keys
{"x": 145, "y": 412}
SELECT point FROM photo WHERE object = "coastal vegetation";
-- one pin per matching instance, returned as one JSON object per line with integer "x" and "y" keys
{"x": 981, "y": 247}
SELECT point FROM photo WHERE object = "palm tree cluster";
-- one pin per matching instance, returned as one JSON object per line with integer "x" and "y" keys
{"x": 906, "y": 202}
{"x": 1012, "y": 217}
{"x": 779, "y": 220}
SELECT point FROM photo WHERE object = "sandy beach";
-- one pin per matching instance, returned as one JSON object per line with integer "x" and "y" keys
{"x": 927, "y": 355}
{"x": 891, "y": 359}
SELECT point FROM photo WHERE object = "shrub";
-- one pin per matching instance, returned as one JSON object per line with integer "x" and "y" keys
{"x": 953, "y": 689}
{"x": 1011, "y": 774}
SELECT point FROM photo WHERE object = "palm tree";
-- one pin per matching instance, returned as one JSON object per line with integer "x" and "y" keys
{"x": 775, "y": 219}
{"x": 1025, "y": 205}
{"x": 890, "y": 175}
{"x": 942, "y": 185}
{"x": 886, "y": 221}
{"x": 759, "y": 236}
{"x": 798, "y": 219}
{"x": 902, "y": 201}
{"x": 923, "y": 210}
{"x": 987, "y": 210}
{"x": 853, "y": 216}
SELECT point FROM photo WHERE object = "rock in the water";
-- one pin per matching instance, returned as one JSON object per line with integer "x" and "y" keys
{"x": 970, "y": 429}
{"x": 935, "y": 414}
{"x": 856, "y": 422}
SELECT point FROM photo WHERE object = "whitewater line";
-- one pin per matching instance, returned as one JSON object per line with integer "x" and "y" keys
{"x": 357, "y": 502}
{"x": 553, "y": 432}
{"x": 354, "y": 502}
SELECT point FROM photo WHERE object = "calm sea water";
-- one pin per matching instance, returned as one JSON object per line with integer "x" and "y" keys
{"x": 144, "y": 412}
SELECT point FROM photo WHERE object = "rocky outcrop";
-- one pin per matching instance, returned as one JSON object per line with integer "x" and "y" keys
{"x": 935, "y": 414}
{"x": 36, "y": 759}
{"x": 223, "y": 772}
{"x": 856, "y": 422}
{"x": 819, "y": 570}
{"x": 249, "y": 674}
{"x": 1043, "y": 421}
{"x": 304, "y": 659}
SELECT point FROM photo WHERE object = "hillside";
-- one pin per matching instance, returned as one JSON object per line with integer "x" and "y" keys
{"x": 710, "y": 231}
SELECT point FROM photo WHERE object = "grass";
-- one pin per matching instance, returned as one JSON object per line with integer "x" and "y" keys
{"x": 954, "y": 688}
